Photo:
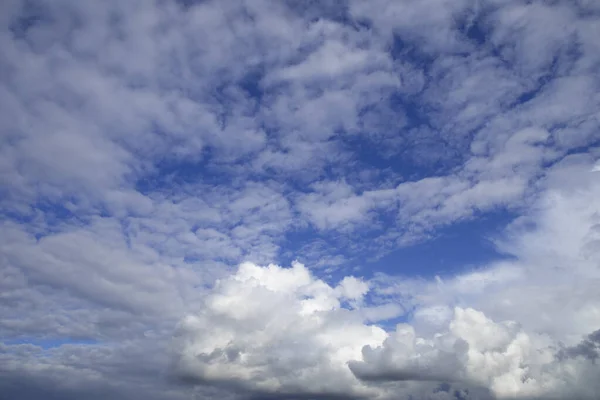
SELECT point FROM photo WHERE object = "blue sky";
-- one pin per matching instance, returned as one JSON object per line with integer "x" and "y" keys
{"x": 290, "y": 199}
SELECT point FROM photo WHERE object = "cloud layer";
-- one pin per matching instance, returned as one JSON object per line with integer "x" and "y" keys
{"x": 206, "y": 199}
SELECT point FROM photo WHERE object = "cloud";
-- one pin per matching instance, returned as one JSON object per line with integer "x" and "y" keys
{"x": 555, "y": 254}
{"x": 588, "y": 348}
{"x": 277, "y": 330}
{"x": 151, "y": 149}
{"x": 262, "y": 313}
{"x": 524, "y": 359}
{"x": 475, "y": 349}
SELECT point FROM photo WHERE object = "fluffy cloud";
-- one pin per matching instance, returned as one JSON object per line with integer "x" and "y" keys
{"x": 499, "y": 356}
{"x": 274, "y": 330}
{"x": 552, "y": 278}
{"x": 279, "y": 331}
{"x": 250, "y": 325}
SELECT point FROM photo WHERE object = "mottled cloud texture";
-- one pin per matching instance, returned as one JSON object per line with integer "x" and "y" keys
{"x": 216, "y": 199}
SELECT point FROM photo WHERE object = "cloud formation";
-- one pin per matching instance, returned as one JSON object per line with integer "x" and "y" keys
{"x": 277, "y": 330}
{"x": 162, "y": 163}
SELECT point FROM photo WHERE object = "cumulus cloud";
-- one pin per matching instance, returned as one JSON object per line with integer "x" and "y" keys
{"x": 262, "y": 313}
{"x": 499, "y": 356}
{"x": 278, "y": 330}
{"x": 552, "y": 278}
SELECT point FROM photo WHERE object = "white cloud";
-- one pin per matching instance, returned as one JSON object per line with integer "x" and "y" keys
{"x": 261, "y": 312}
{"x": 465, "y": 345}
{"x": 475, "y": 349}
{"x": 552, "y": 278}
{"x": 277, "y": 330}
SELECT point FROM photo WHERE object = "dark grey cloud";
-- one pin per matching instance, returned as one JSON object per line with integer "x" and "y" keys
{"x": 589, "y": 348}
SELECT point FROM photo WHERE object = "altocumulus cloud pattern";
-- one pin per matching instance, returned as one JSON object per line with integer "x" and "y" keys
{"x": 328, "y": 199}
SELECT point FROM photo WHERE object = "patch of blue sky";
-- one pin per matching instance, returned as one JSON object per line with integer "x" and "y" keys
{"x": 452, "y": 249}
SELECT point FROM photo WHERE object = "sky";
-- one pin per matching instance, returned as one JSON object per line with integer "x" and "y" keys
{"x": 299, "y": 200}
